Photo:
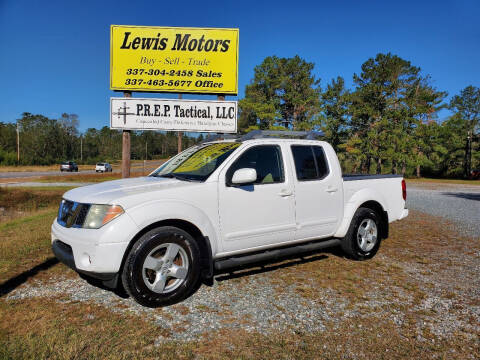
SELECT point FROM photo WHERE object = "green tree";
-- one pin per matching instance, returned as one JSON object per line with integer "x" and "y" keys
{"x": 283, "y": 92}
{"x": 335, "y": 106}
{"x": 466, "y": 106}
{"x": 390, "y": 101}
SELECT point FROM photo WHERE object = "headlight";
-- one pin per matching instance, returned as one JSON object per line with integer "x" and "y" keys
{"x": 99, "y": 215}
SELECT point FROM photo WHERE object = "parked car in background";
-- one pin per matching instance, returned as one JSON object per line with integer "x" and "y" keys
{"x": 475, "y": 174}
{"x": 103, "y": 167}
{"x": 69, "y": 166}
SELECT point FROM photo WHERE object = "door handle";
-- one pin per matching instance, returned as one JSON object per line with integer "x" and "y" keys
{"x": 285, "y": 193}
{"x": 331, "y": 189}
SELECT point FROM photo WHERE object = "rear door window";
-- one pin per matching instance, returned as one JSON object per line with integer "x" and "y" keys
{"x": 310, "y": 162}
{"x": 321, "y": 160}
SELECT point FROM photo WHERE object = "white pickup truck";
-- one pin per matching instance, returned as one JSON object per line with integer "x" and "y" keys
{"x": 220, "y": 205}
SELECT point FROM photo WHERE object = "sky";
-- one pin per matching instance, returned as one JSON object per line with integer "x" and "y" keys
{"x": 54, "y": 55}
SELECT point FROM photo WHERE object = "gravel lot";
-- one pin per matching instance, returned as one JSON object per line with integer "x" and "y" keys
{"x": 431, "y": 282}
{"x": 457, "y": 203}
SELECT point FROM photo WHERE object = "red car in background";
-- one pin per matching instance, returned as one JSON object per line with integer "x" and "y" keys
{"x": 474, "y": 174}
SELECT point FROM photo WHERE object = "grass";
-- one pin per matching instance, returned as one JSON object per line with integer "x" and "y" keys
{"x": 25, "y": 243}
{"x": 57, "y": 328}
{"x": 21, "y": 202}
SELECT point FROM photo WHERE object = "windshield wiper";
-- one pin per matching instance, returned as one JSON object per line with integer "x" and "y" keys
{"x": 175, "y": 176}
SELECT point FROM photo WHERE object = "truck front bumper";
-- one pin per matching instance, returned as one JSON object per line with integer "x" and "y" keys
{"x": 91, "y": 251}
{"x": 64, "y": 254}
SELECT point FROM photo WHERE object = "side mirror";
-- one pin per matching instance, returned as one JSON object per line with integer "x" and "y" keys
{"x": 244, "y": 176}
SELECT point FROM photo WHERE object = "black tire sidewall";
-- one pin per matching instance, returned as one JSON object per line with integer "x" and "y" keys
{"x": 132, "y": 275}
{"x": 352, "y": 248}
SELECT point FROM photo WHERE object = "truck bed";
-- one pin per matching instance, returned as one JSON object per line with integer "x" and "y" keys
{"x": 385, "y": 189}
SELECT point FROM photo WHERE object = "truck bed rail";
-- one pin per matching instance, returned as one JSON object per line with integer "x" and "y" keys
{"x": 352, "y": 177}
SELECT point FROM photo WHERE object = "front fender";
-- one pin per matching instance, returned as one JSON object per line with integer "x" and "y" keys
{"x": 155, "y": 211}
{"x": 353, "y": 203}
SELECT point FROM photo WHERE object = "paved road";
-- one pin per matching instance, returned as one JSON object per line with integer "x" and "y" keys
{"x": 28, "y": 174}
{"x": 43, "y": 184}
{"x": 457, "y": 203}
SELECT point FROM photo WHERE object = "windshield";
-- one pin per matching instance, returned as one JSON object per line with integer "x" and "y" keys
{"x": 197, "y": 162}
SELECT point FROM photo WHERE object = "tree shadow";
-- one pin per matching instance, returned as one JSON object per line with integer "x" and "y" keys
{"x": 11, "y": 284}
{"x": 280, "y": 263}
{"x": 463, "y": 195}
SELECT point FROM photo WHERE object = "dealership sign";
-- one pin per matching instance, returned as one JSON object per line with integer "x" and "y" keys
{"x": 170, "y": 59}
{"x": 173, "y": 115}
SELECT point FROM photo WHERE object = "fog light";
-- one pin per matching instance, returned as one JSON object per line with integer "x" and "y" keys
{"x": 85, "y": 259}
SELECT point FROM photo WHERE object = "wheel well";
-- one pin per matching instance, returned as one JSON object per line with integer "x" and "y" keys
{"x": 202, "y": 241}
{"x": 375, "y": 206}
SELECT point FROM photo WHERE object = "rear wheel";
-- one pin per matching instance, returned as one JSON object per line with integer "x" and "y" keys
{"x": 162, "y": 268}
{"x": 363, "y": 237}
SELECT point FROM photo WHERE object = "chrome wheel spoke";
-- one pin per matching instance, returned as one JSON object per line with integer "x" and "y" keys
{"x": 362, "y": 242}
{"x": 178, "y": 272}
{"x": 172, "y": 252}
{"x": 152, "y": 263}
{"x": 369, "y": 225}
{"x": 159, "y": 283}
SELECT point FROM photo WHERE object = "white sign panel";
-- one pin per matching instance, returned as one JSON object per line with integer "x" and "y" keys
{"x": 173, "y": 115}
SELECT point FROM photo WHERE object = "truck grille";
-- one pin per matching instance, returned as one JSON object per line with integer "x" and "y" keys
{"x": 72, "y": 214}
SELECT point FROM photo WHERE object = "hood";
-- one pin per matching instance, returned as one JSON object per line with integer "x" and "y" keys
{"x": 110, "y": 192}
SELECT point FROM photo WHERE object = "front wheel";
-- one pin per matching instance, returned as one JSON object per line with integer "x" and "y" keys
{"x": 363, "y": 238}
{"x": 162, "y": 268}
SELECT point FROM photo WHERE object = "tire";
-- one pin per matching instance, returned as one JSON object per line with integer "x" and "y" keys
{"x": 146, "y": 274}
{"x": 363, "y": 238}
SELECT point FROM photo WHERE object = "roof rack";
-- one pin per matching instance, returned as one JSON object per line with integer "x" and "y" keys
{"x": 261, "y": 134}
{"x": 216, "y": 137}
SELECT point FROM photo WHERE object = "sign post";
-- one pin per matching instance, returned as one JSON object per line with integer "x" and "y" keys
{"x": 126, "y": 144}
{"x": 180, "y": 135}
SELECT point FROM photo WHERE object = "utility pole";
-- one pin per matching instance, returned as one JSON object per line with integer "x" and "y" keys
{"x": 18, "y": 145}
{"x": 468, "y": 154}
{"x": 179, "y": 135}
{"x": 81, "y": 147}
{"x": 146, "y": 152}
{"x": 126, "y": 146}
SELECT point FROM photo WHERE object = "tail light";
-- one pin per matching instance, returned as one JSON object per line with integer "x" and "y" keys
{"x": 404, "y": 189}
